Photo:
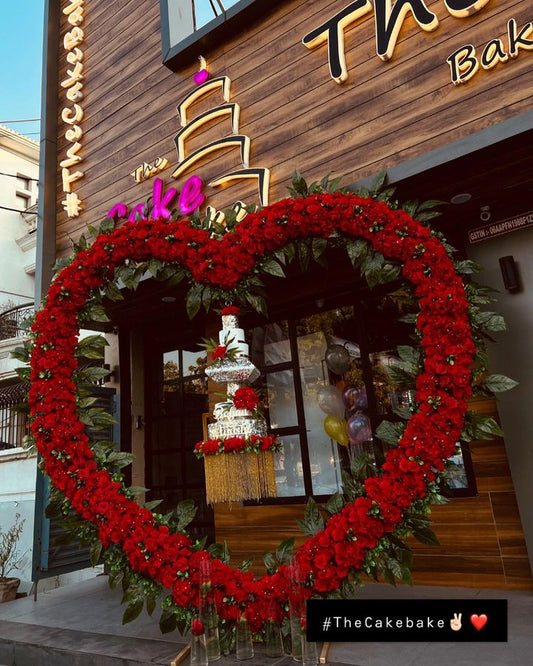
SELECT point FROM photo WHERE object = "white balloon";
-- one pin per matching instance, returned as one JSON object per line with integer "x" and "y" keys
{"x": 330, "y": 401}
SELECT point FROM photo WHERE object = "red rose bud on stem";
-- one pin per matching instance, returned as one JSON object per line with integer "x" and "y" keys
{"x": 197, "y": 627}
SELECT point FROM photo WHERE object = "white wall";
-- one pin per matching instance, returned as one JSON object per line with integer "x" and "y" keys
{"x": 17, "y": 495}
{"x": 513, "y": 356}
{"x": 19, "y": 155}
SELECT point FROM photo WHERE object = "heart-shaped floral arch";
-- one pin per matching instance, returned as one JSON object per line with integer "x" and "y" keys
{"x": 329, "y": 557}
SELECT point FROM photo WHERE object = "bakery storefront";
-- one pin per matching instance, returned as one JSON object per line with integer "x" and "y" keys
{"x": 213, "y": 106}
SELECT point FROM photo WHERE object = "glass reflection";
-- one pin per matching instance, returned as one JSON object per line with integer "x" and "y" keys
{"x": 289, "y": 469}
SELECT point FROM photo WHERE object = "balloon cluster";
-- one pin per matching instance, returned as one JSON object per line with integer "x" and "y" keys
{"x": 336, "y": 404}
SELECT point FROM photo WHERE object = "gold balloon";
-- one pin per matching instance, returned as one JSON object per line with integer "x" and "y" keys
{"x": 336, "y": 429}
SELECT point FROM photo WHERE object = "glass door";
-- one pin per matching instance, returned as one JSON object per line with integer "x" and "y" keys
{"x": 176, "y": 408}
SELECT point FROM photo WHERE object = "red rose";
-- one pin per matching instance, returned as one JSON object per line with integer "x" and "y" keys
{"x": 245, "y": 398}
{"x": 219, "y": 352}
{"x": 197, "y": 627}
{"x": 230, "y": 310}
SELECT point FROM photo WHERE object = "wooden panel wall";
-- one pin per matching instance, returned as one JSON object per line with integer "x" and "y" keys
{"x": 294, "y": 113}
{"x": 298, "y": 118}
{"x": 481, "y": 538}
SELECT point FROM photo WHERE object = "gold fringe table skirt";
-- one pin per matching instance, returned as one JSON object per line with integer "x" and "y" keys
{"x": 233, "y": 477}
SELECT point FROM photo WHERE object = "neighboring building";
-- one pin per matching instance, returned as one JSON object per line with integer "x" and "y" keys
{"x": 19, "y": 173}
{"x": 448, "y": 120}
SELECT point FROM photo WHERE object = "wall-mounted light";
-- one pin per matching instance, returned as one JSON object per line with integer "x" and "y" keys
{"x": 510, "y": 274}
{"x": 461, "y": 198}
{"x": 484, "y": 213}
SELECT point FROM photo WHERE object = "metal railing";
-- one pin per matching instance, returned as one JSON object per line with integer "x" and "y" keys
{"x": 13, "y": 321}
{"x": 14, "y": 425}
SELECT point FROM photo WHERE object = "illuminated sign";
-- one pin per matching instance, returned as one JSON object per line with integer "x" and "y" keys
{"x": 499, "y": 228}
{"x": 464, "y": 63}
{"x": 145, "y": 171}
{"x": 388, "y": 20}
{"x": 235, "y": 140}
{"x": 72, "y": 114}
{"x": 190, "y": 199}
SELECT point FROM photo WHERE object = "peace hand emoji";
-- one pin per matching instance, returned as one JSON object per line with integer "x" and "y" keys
{"x": 455, "y": 622}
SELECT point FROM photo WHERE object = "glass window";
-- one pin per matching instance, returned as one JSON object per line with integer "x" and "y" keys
{"x": 334, "y": 365}
{"x": 184, "y": 23}
{"x": 289, "y": 468}
{"x": 281, "y": 399}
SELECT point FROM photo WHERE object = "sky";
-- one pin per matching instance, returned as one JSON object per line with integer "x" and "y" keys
{"x": 21, "y": 45}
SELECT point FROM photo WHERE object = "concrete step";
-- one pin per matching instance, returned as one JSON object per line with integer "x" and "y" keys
{"x": 23, "y": 644}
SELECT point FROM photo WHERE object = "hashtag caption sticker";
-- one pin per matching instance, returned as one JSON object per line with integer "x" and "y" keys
{"x": 407, "y": 620}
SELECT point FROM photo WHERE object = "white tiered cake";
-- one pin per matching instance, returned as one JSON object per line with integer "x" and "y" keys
{"x": 235, "y": 370}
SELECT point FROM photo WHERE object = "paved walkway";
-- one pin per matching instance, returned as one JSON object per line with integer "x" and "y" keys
{"x": 80, "y": 625}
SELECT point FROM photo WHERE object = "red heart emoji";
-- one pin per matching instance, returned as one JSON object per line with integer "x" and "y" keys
{"x": 479, "y": 621}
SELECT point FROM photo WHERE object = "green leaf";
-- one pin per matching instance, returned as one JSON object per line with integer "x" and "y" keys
{"x": 467, "y": 267}
{"x": 126, "y": 274}
{"x": 96, "y": 313}
{"x": 334, "y": 504}
{"x": 410, "y": 207}
{"x": 120, "y": 459}
{"x": 488, "y": 427}
{"x": 285, "y": 550}
{"x": 431, "y": 203}
{"x": 91, "y": 342}
{"x": 167, "y": 622}
{"x": 498, "y": 383}
{"x": 379, "y": 181}
{"x": 23, "y": 373}
{"x": 220, "y": 551}
{"x": 150, "y": 605}
{"x": 175, "y": 278}
{"x": 207, "y": 297}
{"x": 154, "y": 266}
{"x": 313, "y": 520}
{"x": 400, "y": 377}
{"x": 357, "y": 251}
{"x": 290, "y": 251}
{"x": 303, "y": 255}
{"x": 21, "y": 354}
{"x": 185, "y": 512}
{"x": 153, "y": 504}
{"x": 113, "y": 292}
{"x": 137, "y": 491}
{"x": 95, "y": 553}
{"x": 298, "y": 186}
{"x": 107, "y": 226}
{"x": 426, "y": 536}
{"x": 389, "y": 432}
{"x": 409, "y": 318}
{"x": 114, "y": 578}
{"x": 490, "y": 321}
{"x": 372, "y": 268}
{"x": 246, "y": 564}
{"x": 318, "y": 247}
{"x": 257, "y": 302}
{"x": 410, "y": 358}
{"x": 429, "y": 215}
{"x": 93, "y": 374}
{"x": 270, "y": 562}
{"x": 86, "y": 402}
{"x": 273, "y": 267}
{"x": 194, "y": 300}
{"x": 281, "y": 256}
